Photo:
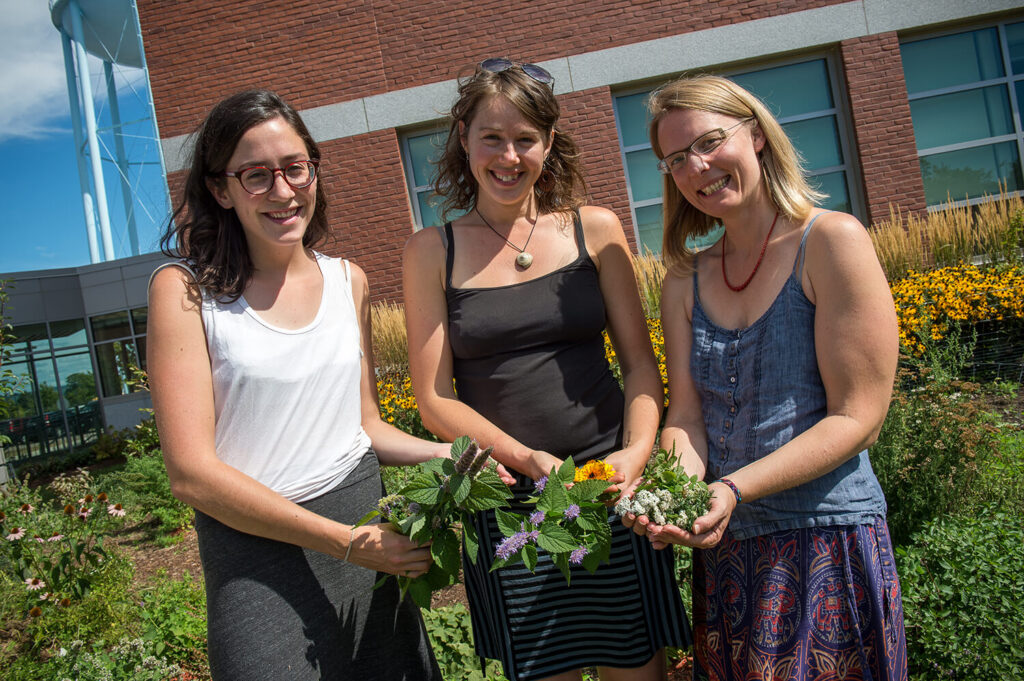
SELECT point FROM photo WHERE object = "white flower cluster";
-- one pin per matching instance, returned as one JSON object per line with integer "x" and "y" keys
{"x": 659, "y": 505}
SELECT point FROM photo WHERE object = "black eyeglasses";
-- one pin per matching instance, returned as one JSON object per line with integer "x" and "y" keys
{"x": 499, "y": 64}
{"x": 260, "y": 180}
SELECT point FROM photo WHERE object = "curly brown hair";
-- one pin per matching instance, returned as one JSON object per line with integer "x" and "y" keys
{"x": 561, "y": 187}
{"x": 209, "y": 237}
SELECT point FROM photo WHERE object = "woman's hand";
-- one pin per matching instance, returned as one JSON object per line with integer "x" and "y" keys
{"x": 627, "y": 475}
{"x": 380, "y": 548}
{"x": 707, "y": 529}
{"x": 539, "y": 464}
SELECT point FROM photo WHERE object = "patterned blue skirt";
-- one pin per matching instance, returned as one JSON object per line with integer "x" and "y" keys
{"x": 815, "y": 603}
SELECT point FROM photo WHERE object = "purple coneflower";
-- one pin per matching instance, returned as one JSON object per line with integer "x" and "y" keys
{"x": 26, "y": 509}
{"x": 34, "y": 584}
{"x": 56, "y": 536}
{"x": 576, "y": 557}
{"x": 16, "y": 533}
{"x": 115, "y": 509}
{"x": 83, "y": 513}
{"x": 572, "y": 512}
{"x": 537, "y": 517}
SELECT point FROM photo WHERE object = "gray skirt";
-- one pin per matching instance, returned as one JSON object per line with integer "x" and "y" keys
{"x": 278, "y": 611}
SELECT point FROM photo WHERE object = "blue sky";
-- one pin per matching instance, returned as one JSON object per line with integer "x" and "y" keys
{"x": 44, "y": 224}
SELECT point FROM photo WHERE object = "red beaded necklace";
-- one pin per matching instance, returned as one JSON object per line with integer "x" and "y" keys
{"x": 764, "y": 247}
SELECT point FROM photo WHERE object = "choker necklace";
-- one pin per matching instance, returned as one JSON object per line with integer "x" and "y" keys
{"x": 524, "y": 259}
{"x": 764, "y": 247}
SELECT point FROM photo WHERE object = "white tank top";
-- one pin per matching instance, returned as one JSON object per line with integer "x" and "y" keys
{"x": 287, "y": 400}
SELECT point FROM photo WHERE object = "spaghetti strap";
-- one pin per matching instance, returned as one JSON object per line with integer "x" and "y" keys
{"x": 798, "y": 267}
{"x": 448, "y": 239}
{"x": 581, "y": 244}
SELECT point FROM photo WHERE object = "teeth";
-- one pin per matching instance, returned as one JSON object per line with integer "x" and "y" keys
{"x": 505, "y": 178}
{"x": 281, "y": 215}
{"x": 712, "y": 188}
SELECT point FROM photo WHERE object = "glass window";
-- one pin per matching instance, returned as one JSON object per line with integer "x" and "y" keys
{"x": 801, "y": 96}
{"x": 139, "y": 317}
{"x": 29, "y": 338}
{"x": 67, "y": 334}
{"x": 115, "y": 361}
{"x": 420, "y": 151}
{"x": 963, "y": 89}
{"x": 948, "y": 61}
{"x": 110, "y": 326}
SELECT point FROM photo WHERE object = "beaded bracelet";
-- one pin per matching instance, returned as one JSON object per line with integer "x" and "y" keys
{"x": 731, "y": 485}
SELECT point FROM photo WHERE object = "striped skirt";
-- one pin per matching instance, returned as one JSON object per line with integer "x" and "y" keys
{"x": 538, "y": 626}
{"x": 813, "y": 603}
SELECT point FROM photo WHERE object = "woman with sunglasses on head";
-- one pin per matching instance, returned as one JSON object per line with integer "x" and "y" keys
{"x": 509, "y": 301}
{"x": 781, "y": 347}
{"x": 262, "y": 378}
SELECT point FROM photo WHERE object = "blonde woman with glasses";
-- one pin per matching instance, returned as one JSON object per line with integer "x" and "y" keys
{"x": 781, "y": 347}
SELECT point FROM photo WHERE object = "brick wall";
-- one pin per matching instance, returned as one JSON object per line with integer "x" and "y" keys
{"x": 883, "y": 130}
{"x": 589, "y": 117}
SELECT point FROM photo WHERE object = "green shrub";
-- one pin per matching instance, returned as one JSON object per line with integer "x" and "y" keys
{"x": 933, "y": 446}
{"x": 963, "y": 598}
{"x": 451, "y": 637}
{"x": 143, "y": 484}
{"x": 173, "y": 615}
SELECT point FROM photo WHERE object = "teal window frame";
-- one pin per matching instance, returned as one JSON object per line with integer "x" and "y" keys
{"x": 835, "y": 113}
{"x": 418, "y": 190}
{"x": 1008, "y": 84}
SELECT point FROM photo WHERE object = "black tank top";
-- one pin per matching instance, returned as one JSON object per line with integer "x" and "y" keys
{"x": 530, "y": 357}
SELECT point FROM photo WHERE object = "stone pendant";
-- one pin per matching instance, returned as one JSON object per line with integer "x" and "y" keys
{"x": 524, "y": 260}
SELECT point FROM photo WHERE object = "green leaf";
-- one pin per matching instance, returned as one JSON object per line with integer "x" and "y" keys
{"x": 587, "y": 490}
{"x": 530, "y": 557}
{"x": 567, "y": 471}
{"x": 554, "y": 499}
{"x": 433, "y": 466}
{"x": 420, "y": 591}
{"x": 459, "y": 445}
{"x": 367, "y": 518}
{"x": 460, "y": 486}
{"x": 509, "y": 523}
{"x": 470, "y": 538}
{"x": 554, "y": 539}
{"x": 425, "y": 496}
{"x": 445, "y": 552}
{"x": 561, "y": 561}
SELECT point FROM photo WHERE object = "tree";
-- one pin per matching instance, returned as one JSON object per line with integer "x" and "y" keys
{"x": 80, "y": 388}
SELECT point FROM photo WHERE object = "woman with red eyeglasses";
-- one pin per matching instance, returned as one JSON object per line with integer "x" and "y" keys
{"x": 505, "y": 307}
{"x": 262, "y": 378}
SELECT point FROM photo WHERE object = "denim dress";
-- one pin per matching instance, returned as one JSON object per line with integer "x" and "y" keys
{"x": 804, "y": 579}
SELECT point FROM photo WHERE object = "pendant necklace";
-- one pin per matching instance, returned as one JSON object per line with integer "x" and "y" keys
{"x": 764, "y": 247}
{"x": 524, "y": 259}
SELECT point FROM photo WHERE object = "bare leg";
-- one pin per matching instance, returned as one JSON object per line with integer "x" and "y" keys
{"x": 573, "y": 675}
{"x": 654, "y": 670}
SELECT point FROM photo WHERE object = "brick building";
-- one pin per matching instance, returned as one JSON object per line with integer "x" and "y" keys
{"x": 890, "y": 102}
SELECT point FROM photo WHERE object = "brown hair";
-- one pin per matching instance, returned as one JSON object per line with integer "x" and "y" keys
{"x": 781, "y": 166}
{"x": 209, "y": 237}
{"x": 561, "y": 186}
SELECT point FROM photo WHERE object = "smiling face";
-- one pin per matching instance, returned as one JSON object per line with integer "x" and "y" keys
{"x": 506, "y": 152}
{"x": 280, "y": 216}
{"x": 725, "y": 180}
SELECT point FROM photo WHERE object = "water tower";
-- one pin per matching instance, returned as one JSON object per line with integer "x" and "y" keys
{"x": 109, "y": 30}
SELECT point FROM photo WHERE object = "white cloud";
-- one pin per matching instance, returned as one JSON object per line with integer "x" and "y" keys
{"x": 33, "y": 85}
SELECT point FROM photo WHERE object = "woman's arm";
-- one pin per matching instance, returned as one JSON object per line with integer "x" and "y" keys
{"x": 627, "y": 329}
{"x": 181, "y": 386}
{"x": 394, "y": 447}
{"x": 430, "y": 361}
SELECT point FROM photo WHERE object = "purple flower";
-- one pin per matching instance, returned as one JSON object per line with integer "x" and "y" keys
{"x": 538, "y": 486}
{"x": 511, "y": 545}
{"x": 465, "y": 460}
{"x": 537, "y": 517}
{"x": 480, "y": 460}
{"x": 572, "y": 512}
{"x": 576, "y": 557}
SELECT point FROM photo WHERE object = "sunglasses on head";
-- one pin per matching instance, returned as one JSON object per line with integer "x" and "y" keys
{"x": 499, "y": 64}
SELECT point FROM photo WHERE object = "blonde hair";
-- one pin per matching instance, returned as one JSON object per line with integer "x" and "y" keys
{"x": 781, "y": 166}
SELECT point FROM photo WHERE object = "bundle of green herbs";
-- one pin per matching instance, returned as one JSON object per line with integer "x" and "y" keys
{"x": 438, "y": 502}
{"x": 667, "y": 495}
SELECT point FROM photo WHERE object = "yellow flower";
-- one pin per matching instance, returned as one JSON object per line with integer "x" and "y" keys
{"x": 594, "y": 470}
